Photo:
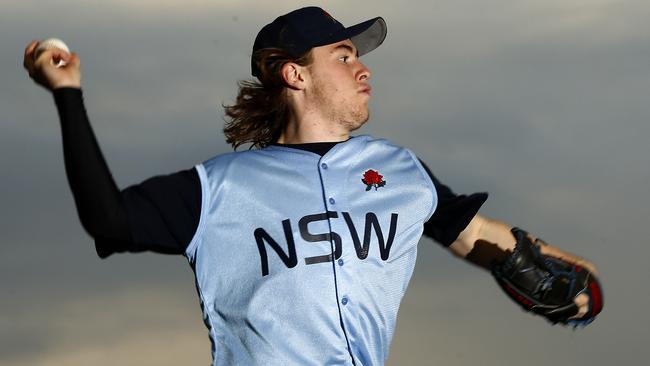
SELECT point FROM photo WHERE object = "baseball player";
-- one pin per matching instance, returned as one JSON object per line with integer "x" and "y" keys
{"x": 303, "y": 246}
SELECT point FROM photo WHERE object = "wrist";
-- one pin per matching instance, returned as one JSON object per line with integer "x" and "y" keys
{"x": 67, "y": 84}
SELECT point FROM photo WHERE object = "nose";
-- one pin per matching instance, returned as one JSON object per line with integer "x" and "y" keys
{"x": 364, "y": 72}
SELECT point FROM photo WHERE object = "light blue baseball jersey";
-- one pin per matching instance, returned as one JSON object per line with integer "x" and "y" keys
{"x": 303, "y": 260}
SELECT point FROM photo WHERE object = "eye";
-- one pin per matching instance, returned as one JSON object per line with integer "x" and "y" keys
{"x": 344, "y": 59}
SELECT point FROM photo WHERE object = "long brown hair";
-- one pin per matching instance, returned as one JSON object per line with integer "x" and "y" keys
{"x": 261, "y": 109}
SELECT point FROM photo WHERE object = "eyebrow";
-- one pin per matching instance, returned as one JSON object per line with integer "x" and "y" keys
{"x": 346, "y": 47}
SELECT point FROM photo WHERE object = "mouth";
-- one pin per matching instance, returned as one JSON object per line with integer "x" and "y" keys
{"x": 366, "y": 90}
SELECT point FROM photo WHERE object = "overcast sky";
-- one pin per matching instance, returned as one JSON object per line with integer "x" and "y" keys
{"x": 542, "y": 103}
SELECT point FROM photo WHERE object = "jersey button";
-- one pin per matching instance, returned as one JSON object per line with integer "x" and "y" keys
{"x": 332, "y": 201}
{"x": 341, "y": 262}
{"x": 324, "y": 166}
{"x": 344, "y": 300}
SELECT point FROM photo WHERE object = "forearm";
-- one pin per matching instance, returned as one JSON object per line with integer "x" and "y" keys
{"x": 486, "y": 241}
{"x": 498, "y": 232}
{"x": 96, "y": 195}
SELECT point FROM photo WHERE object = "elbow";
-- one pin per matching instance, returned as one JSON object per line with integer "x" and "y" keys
{"x": 477, "y": 246}
{"x": 468, "y": 238}
{"x": 110, "y": 232}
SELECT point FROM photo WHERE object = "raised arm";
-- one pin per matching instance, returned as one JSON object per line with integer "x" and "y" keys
{"x": 96, "y": 195}
{"x": 159, "y": 214}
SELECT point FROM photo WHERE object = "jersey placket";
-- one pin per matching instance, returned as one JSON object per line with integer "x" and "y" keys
{"x": 333, "y": 180}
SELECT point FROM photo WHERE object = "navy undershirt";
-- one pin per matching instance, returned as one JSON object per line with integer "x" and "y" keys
{"x": 161, "y": 214}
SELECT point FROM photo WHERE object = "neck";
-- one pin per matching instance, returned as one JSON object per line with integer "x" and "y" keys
{"x": 306, "y": 127}
{"x": 298, "y": 135}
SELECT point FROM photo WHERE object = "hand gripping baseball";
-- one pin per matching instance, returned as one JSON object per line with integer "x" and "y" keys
{"x": 44, "y": 71}
{"x": 546, "y": 285}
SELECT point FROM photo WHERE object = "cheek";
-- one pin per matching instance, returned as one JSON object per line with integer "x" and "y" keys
{"x": 336, "y": 84}
{"x": 327, "y": 87}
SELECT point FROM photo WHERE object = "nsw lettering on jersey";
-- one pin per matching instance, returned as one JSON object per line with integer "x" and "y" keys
{"x": 289, "y": 256}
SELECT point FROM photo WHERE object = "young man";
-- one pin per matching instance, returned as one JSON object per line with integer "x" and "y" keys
{"x": 303, "y": 247}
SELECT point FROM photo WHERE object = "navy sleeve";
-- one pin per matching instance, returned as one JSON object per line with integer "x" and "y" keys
{"x": 453, "y": 213}
{"x": 159, "y": 214}
{"x": 164, "y": 211}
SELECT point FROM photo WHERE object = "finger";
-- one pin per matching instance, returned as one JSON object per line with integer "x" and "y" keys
{"x": 581, "y": 312}
{"x": 50, "y": 58}
{"x": 57, "y": 52}
{"x": 59, "y": 57}
{"x": 31, "y": 46}
{"x": 582, "y": 302}
{"x": 28, "y": 59}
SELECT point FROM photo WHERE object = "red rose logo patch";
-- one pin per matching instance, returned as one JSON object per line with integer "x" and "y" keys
{"x": 372, "y": 178}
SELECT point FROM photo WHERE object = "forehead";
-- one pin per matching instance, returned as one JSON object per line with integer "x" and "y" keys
{"x": 345, "y": 44}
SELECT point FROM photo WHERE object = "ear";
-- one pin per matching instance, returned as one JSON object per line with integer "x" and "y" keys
{"x": 294, "y": 75}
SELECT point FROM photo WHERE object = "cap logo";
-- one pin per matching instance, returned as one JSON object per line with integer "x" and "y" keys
{"x": 372, "y": 178}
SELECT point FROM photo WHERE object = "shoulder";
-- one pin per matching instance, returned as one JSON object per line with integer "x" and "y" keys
{"x": 223, "y": 160}
{"x": 384, "y": 143}
{"x": 372, "y": 142}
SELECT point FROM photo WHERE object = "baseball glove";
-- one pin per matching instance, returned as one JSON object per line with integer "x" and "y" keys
{"x": 546, "y": 285}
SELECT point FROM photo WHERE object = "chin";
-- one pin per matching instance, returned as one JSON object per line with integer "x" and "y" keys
{"x": 355, "y": 119}
{"x": 364, "y": 118}
{"x": 357, "y": 123}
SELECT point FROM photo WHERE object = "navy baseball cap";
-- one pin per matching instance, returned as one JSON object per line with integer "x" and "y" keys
{"x": 300, "y": 30}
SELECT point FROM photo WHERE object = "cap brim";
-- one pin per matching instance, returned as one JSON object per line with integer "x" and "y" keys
{"x": 365, "y": 36}
{"x": 368, "y": 35}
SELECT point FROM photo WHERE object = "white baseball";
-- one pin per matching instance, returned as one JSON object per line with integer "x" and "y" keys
{"x": 49, "y": 44}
